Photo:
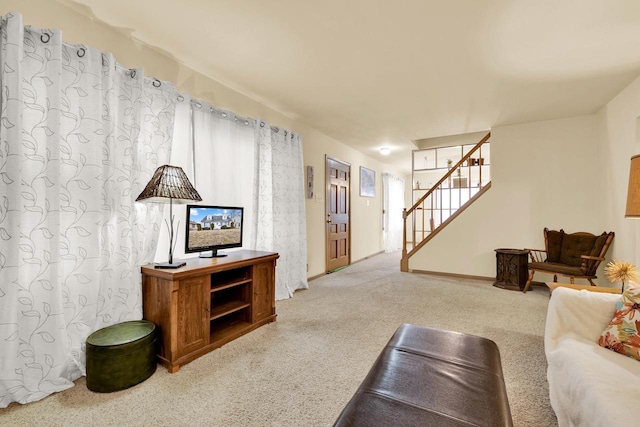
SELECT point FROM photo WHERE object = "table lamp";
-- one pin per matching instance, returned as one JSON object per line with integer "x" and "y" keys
{"x": 633, "y": 191}
{"x": 169, "y": 184}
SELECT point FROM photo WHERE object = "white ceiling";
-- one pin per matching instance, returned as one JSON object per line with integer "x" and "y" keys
{"x": 373, "y": 73}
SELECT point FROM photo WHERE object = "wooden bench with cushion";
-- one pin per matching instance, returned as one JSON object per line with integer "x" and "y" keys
{"x": 574, "y": 255}
{"x": 432, "y": 377}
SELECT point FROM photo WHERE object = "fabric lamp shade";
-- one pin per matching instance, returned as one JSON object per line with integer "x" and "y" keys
{"x": 169, "y": 184}
{"x": 633, "y": 192}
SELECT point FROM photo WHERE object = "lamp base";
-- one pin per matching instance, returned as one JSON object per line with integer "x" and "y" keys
{"x": 212, "y": 254}
{"x": 170, "y": 264}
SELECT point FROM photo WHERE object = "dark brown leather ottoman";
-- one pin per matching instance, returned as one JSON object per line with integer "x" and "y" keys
{"x": 121, "y": 355}
{"x": 432, "y": 377}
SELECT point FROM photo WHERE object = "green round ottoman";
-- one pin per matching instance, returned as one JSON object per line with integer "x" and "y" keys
{"x": 121, "y": 355}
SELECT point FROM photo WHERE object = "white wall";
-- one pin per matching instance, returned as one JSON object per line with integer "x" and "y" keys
{"x": 581, "y": 187}
{"x": 544, "y": 174}
{"x": 620, "y": 139}
{"x": 366, "y": 212}
{"x": 568, "y": 173}
{"x": 446, "y": 141}
{"x": 366, "y": 219}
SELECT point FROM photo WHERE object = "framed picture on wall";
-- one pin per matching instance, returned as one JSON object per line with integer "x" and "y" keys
{"x": 367, "y": 182}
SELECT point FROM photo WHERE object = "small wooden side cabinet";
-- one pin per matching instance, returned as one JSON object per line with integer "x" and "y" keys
{"x": 512, "y": 269}
{"x": 208, "y": 302}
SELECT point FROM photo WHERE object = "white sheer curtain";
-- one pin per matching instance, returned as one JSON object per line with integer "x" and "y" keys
{"x": 248, "y": 163}
{"x": 224, "y": 150}
{"x": 393, "y": 204}
{"x": 80, "y": 137}
{"x": 224, "y": 163}
{"x": 280, "y": 220}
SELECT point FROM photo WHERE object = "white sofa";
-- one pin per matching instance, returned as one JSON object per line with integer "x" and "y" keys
{"x": 588, "y": 385}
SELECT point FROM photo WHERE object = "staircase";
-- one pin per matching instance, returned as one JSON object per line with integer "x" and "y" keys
{"x": 461, "y": 185}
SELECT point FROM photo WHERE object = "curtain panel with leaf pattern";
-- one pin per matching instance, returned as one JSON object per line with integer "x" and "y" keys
{"x": 80, "y": 137}
{"x": 279, "y": 205}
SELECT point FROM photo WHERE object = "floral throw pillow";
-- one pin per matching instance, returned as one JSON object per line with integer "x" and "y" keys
{"x": 622, "y": 335}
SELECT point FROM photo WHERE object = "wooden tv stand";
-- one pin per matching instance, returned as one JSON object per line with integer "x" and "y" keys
{"x": 208, "y": 302}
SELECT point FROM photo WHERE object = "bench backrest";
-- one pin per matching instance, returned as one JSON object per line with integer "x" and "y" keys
{"x": 567, "y": 248}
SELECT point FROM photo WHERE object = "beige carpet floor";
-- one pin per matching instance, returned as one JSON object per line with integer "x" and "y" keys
{"x": 302, "y": 369}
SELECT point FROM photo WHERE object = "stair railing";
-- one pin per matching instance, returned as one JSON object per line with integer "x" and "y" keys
{"x": 440, "y": 204}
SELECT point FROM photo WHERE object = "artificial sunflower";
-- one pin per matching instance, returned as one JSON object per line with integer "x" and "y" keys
{"x": 621, "y": 271}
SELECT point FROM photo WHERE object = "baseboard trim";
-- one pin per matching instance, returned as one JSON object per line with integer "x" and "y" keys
{"x": 367, "y": 257}
{"x": 460, "y": 276}
{"x": 317, "y": 276}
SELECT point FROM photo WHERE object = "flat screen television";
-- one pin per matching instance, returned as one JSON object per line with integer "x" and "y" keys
{"x": 210, "y": 228}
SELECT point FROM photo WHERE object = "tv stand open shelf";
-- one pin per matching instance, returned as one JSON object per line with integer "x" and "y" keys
{"x": 208, "y": 302}
{"x": 228, "y": 308}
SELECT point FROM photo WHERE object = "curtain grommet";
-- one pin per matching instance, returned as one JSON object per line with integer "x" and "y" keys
{"x": 156, "y": 83}
{"x": 43, "y": 39}
{"x": 81, "y": 52}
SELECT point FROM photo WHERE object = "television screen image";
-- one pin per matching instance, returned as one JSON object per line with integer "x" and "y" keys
{"x": 210, "y": 228}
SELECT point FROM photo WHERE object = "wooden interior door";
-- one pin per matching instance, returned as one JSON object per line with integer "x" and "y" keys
{"x": 338, "y": 177}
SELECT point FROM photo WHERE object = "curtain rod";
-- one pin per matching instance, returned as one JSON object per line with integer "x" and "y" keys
{"x": 45, "y": 37}
{"x": 231, "y": 115}
{"x": 223, "y": 113}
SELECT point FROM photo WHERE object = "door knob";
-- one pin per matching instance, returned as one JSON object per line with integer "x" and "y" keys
{"x": 328, "y": 221}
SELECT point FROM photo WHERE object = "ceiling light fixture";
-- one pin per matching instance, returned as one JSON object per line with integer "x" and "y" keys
{"x": 385, "y": 151}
